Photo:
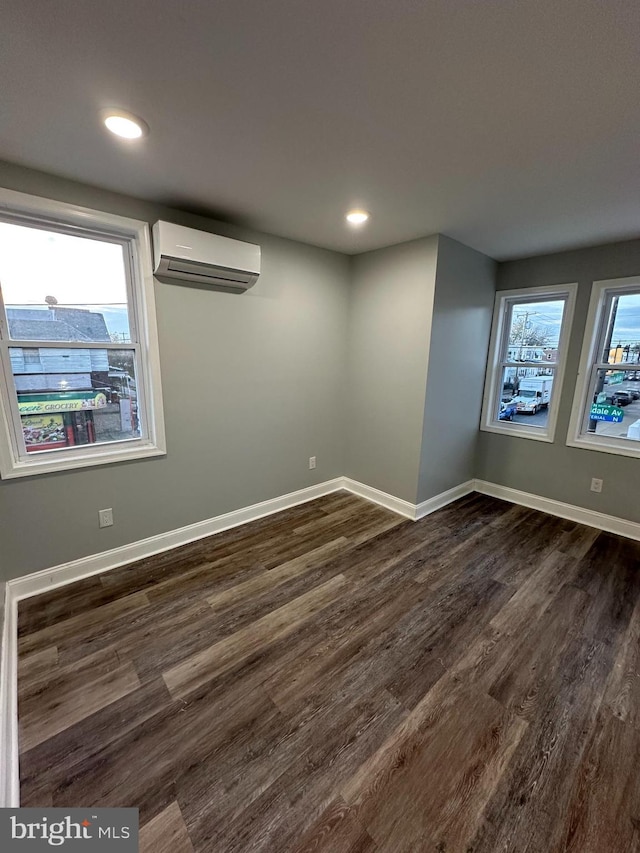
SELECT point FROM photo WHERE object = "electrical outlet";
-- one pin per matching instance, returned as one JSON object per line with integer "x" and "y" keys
{"x": 105, "y": 517}
{"x": 596, "y": 485}
{"x": 312, "y": 462}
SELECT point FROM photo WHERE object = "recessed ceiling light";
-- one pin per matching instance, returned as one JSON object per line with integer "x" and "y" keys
{"x": 357, "y": 217}
{"x": 124, "y": 124}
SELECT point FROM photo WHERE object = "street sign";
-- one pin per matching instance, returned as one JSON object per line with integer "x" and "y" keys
{"x": 616, "y": 378}
{"x": 606, "y": 413}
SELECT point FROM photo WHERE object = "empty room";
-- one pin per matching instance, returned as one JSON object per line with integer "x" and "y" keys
{"x": 320, "y": 426}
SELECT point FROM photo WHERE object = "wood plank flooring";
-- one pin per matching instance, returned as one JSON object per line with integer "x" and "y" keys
{"x": 334, "y": 678}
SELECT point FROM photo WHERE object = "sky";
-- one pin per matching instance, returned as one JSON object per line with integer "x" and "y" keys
{"x": 77, "y": 271}
{"x": 626, "y": 328}
{"x": 544, "y": 315}
{"x": 548, "y": 315}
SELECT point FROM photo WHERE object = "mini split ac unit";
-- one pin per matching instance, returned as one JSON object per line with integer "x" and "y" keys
{"x": 184, "y": 254}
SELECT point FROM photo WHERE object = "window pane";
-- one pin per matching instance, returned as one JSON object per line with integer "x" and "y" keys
{"x": 60, "y": 287}
{"x": 526, "y": 395}
{"x": 615, "y": 406}
{"x": 534, "y": 331}
{"x": 68, "y": 397}
{"x": 622, "y": 338}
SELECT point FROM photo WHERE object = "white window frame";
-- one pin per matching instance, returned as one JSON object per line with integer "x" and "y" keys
{"x": 504, "y": 302}
{"x": 593, "y": 335}
{"x": 134, "y": 235}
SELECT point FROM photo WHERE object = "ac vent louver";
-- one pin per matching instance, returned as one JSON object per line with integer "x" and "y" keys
{"x": 187, "y": 256}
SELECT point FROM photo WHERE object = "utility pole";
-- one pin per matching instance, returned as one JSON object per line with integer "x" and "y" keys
{"x": 526, "y": 314}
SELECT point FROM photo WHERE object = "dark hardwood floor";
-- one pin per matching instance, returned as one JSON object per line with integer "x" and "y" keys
{"x": 335, "y": 678}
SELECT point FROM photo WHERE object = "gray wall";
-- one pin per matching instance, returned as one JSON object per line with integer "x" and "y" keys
{"x": 463, "y": 306}
{"x": 253, "y": 385}
{"x": 390, "y": 313}
{"x": 555, "y": 470}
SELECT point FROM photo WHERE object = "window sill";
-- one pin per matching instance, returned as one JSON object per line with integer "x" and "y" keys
{"x": 627, "y": 449}
{"x": 519, "y": 431}
{"x": 50, "y": 465}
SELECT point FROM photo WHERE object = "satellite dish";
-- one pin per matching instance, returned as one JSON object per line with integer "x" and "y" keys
{"x": 51, "y": 300}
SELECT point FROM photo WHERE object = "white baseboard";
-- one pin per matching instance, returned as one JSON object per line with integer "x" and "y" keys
{"x": 384, "y": 499}
{"x": 609, "y": 523}
{"x": 444, "y": 498}
{"x": 38, "y": 582}
{"x": 75, "y": 570}
{"x": 9, "y": 765}
{"x": 412, "y": 511}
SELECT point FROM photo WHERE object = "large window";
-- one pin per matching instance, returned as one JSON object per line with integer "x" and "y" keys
{"x": 79, "y": 378}
{"x": 606, "y": 410}
{"x": 526, "y": 360}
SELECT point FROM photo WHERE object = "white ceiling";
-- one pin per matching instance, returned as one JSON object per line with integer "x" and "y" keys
{"x": 512, "y": 126}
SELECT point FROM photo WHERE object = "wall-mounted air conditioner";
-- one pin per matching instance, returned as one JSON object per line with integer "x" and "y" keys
{"x": 187, "y": 255}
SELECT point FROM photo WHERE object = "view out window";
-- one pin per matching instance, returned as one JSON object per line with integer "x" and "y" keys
{"x": 526, "y": 360}
{"x": 79, "y": 381}
{"x": 606, "y": 412}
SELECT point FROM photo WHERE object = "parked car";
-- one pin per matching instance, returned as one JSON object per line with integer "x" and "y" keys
{"x": 621, "y": 398}
{"x": 507, "y": 411}
{"x": 635, "y": 394}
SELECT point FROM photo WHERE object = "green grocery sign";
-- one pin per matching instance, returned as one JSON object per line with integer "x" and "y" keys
{"x": 72, "y": 401}
{"x": 606, "y": 413}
